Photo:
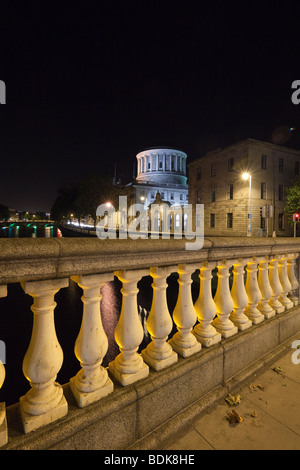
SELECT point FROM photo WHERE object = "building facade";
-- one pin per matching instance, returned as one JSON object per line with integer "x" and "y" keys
{"x": 163, "y": 171}
{"x": 218, "y": 180}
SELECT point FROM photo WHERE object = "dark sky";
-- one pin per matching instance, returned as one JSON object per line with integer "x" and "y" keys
{"x": 91, "y": 83}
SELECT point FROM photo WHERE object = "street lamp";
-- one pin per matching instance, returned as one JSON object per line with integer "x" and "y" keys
{"x": 246, "y": 177}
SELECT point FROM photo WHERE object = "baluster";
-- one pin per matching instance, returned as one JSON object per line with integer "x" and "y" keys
{"x": 92, "y": 381}
{"x": 184, "y": 315}
{"x": 293, "y": 279}
{"x": 206, "y": 309}
{"x": 224, "y": 302}
{"x": 285, "y": 284}
{"x": 45, "y": 402}
{"x": 266, "y": 291}
{"x": 3, "y": 421}
{"x": 128, "y": 367}
{"x": 253, "y": 292}
{"x": 159, "y": 353}
{"x": 275, "y": 286}
{"x": 239, "y": 296}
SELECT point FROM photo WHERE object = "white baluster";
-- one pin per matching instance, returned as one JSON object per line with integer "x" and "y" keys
{"x": 184, "y": 315}
{"x": 239, "y": 296}
{"x": 206, "y": 309}
{"x": 92, "y": 381}
{"x": 224, "y": 302}
{"x": 275, "y": 286}
{"x": 159, "y": 354}
{"x": 128, "y": 367}
{"x": 285, "y": 284}
{"x": 253, "y": 292}
{"x": 3, "y": 421}
{"x": 293, "y": 279}
{"x": 45, "y": 402}
{"x": 266, "y": 291}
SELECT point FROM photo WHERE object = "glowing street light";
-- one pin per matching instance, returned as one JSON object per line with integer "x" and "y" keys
{"x": 247, "y": 176}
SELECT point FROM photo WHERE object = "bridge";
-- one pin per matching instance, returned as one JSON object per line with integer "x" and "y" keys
{"x": 145, "y": 396}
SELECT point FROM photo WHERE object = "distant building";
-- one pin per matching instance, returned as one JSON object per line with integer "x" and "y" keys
{"x": 215, "y": 180}
{"x": 160, "y": 170}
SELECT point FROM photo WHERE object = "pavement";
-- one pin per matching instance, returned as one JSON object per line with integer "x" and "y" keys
{"x": 265, "y": 411}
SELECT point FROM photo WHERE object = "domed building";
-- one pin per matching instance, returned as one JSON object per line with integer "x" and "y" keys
{"x": 161, "y": 170}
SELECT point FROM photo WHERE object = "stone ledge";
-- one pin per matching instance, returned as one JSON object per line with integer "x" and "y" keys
{"x": 135, "y": 415}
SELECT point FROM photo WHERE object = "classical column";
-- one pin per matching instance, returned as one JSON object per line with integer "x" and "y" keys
{"x": 224, "y": 302}
{"x": 265, "y": 289}
{"x": 184, "y": 315}
{"x": 291, "y": 267}
{"x": 239, "y": 297}
{"x": 128, "y": 367}
{"x": 3, "y": 421}
{"x": 275, "y": 286}
{"x": 45, "y": 402}
{"x": 159, "y": 353}
{"x": 253, "y": 292}
{"x": 92, "y": 381}
{"x": 285, "y": 283}
{"x": 206, "y": 309}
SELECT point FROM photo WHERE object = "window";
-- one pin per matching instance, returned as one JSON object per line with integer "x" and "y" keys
{"x": 264, "y": 162}
{"x": 149, "y": 166}
{"x": 263, "y": 191}
{"x": 280, "y": 192}
{"x": 160, "y": 165}
{"x": 230, "y": 163}
{"x": 229, "y": 220}
{"x": 162, "y": 195}
{"x": 212, "y": 220}
{"x": 230, "y": 191}
{"x": 297, "y": 168}
{"x": 213, "y": 170}
{"x": 281, "y": 221}
{"x": 280, "y": 168}
{"x": 198, "y": 174}
{"x": 181, "y": 197}
{"x": 213, "y": 195}
{"x": 172, "y": 196}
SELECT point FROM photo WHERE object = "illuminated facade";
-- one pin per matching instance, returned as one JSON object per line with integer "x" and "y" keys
{"x": 215, "y": 180}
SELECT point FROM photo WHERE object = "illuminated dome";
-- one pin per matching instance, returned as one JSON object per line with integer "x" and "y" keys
{"x": 161, "y": 166}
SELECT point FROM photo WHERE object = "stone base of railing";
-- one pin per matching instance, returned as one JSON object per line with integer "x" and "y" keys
{"x": 141, "y": 415}
{"x": 3, "y": 425}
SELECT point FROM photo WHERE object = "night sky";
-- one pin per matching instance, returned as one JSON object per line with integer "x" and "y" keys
{"x": 92, "y": 83}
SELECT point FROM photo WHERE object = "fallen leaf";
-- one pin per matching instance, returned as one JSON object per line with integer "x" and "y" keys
{"x": 233, "y": 400}
{"x": 277, "y": 369}
{"x": 234, "y": 417}
{"x": 254, "y": 414}
{"x": 254, "y": 387}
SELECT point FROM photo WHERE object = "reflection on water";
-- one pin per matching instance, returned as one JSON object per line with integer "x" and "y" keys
{"x": 29, "y": 230}
{"x": 16, "y": 326}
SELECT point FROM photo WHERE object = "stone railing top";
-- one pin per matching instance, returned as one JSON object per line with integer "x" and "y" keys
{"x": 44, "y": 258}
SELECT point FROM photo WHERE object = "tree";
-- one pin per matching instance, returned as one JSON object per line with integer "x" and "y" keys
{"x": 293, "y": 198}
{"x": 4, "y": 212}
{"x": 64, "y": 202}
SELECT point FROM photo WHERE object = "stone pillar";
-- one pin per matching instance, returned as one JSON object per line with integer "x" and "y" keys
{"x": 45, "y": 402}
{"x": 159, "y": 353}
{"x": 224, "y": 302}
{"x": 128, "y": 367}
{"x": 92, "y": 381}
{"x": 291, "y": 268}
{"x": 239, "y": 297}
{"x": 164, "y": 162}
{"x": 3, "y": 421}
{"x": 184, "y": 315}
{"x": 285, "y": 283}
{"x": 254, "y": 294}
{"x": 206, "y": 309}
{"x": 275, "y": 286}
{"x": 266, "y": 291}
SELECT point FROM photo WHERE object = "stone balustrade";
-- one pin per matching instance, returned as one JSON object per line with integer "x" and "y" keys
{"x": 256, "y": 280}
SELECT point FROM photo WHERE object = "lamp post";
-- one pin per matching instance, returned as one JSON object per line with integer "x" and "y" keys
{"x": 246, "y": 177}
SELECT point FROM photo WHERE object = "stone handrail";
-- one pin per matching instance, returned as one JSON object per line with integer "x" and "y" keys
{"x": 44, "y": 266}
